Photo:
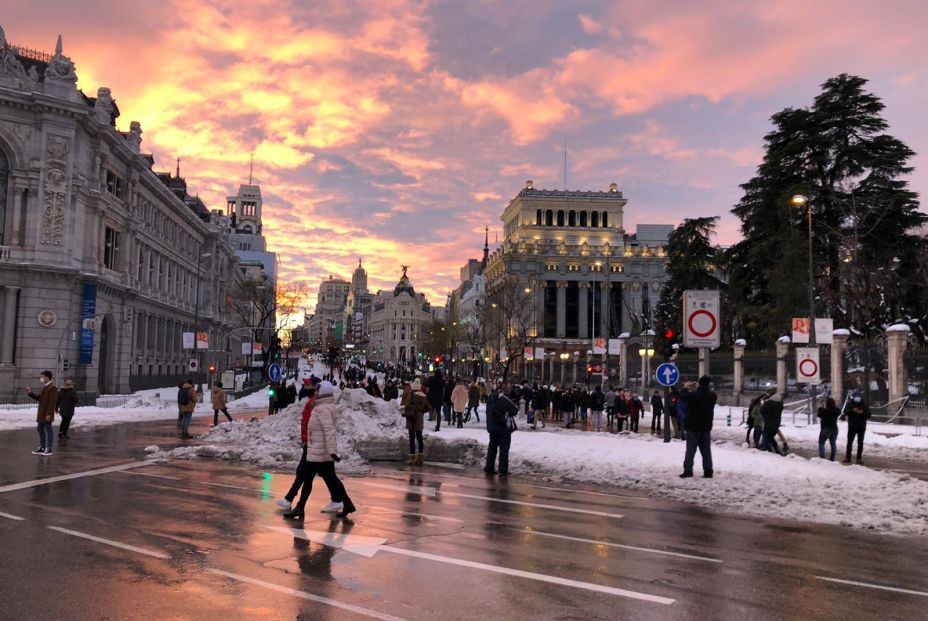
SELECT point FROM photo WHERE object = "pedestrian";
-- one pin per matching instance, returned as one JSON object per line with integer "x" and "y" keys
{"x": 557, "y": 404}
{"x": 610, "y": 407}
{"x": 829, "y": 429}
{"x": 857, "y": 414}
{"x": 322, "y": 454}
{"x": 681, "y": 415}
{"x": 700, "y": 414}
{"x": 473, "y": 402}
{"x": 757, "y": 418}
{"x": 219, "y": 403}
{"x": 567, "y": 405}
{"x": 621, "y": 409}
{"x": 45, "y": 414}
{"x": 657, "y": 412}
{"x": 290, "y": 391}
{"x": 306, "y": 389}
{"x": 582, "y": 400}
{"x": 459, "y": 399}
{"x": 415, "y": 405}
{"x": 390, "y": 391}
{"x": 67, "y": 402}
{"x": 597, "y": 405}
{"x": 635, "y": 411}
{"x": 755, "y": 403}
{"x": 540, "y": 400}
{"x": 187, "y": 399}
{"x": 446, "y": 410}
{"x": 434, "y": 393}
{"x": 772, "y": 413}
{"x": 501, "y": 413}
{"x": 181, "y": 392}
{"x": 674, "y": 419}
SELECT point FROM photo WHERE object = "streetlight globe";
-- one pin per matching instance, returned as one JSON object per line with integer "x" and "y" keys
{"x": 799, "y": 200}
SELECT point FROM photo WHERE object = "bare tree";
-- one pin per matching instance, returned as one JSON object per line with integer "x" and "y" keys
{"x": 508, "y": 321}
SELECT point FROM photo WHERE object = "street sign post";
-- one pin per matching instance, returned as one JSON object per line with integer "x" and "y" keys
{"x": 807, "y": 365}
{"x": 667, "y": 374}
{"x": 701, "y": 325}
{"x": 273, "y": 372}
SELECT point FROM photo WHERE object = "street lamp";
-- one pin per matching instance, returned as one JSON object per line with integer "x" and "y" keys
{"x": 196, "y": 312}
{"x": 576, "y": 359}
{"x": 646, "y": 352}
{"x": 799, "y": 201}
{"x": 564, "y": 358}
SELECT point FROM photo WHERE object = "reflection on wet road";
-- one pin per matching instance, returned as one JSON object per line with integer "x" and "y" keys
{"x": 126, "y": 539}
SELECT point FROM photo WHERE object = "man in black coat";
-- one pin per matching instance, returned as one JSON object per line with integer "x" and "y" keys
{"x": 499, "y": 410}
{"x": 857, "y": 414}
{"x": 772, "y": 413}
{"x": 700, "y": 413}
{"x": 434, "y": 393}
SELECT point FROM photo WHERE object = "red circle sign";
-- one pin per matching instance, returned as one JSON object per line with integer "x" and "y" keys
{"x": 712, "y": 323}
{"x": 808, "y": 368}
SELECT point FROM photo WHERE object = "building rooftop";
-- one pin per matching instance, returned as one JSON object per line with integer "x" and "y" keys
{"x": 530, "y": 191}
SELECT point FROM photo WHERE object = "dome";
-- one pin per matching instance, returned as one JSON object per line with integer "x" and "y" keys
{"x": 404, "y": 286}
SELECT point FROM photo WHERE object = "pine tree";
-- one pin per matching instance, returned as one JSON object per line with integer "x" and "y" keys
{"x": 863, "y": 217}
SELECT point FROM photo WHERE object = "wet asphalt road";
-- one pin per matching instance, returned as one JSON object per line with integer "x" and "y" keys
{"x": 203, "y": 540}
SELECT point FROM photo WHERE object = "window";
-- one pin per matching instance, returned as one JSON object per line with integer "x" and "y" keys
{"x": 110, "y": 248}
{"x": 605, "y": 219}
{"x": 617, "y": 269}
{"x": 573, "y": 267}
{"x": 139, "y": 268}
{"x": 549, "y": 218}
{"x": 596, "y": 268}
{"x": 594, "y": 219}
{"x": 551, "y": 267}
{"x": 572, "y": 218}
{"x": 113, "y": 183}
{"x": 538, "y": 217}
{"x": 231, "y": 208}
{"x": 582, "y": 218}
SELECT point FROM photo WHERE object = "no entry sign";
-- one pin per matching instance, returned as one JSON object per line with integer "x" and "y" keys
{"x": 807, "y": 367}
{"x": 701, "y": 319}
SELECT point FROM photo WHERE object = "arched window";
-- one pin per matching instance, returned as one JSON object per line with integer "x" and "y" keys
{"x": 594, "y": 219}
{"x": 538, "y": 217}
{"x": 572, "y": 218}
{"x": 560, "y": 217}
{"x": 605, "y": 219}
{"x": 4, "y": 193}
{"x": 582, "y": 218}
{"x": 549, "y": 218}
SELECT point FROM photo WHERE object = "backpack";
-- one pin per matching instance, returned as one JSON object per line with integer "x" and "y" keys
{"x": 183, "y": 396}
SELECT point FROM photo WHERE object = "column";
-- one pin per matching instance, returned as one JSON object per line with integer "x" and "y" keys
{"x": 838, "y": 348}
{"x": 561, "y": 309}
{"x": 538, "y": 313}
{"x": 604, "y": 308}
{"x": 10, "y": 295}
{"x": 583, "y": 331}
{"x": 623, "y": 360}
{"x": 896, "y": 343}
{"x": 739, "y": 366}
{"x": 782, "y": 350}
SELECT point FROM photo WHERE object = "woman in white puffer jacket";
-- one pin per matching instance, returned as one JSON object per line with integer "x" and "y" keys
{"x": 321, "y": 455}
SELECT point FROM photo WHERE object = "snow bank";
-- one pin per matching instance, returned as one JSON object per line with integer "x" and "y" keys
{"x": 274, "y": 441}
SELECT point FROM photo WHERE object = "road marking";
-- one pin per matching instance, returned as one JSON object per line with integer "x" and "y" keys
{"x": 10, "y": 516}
{"x": 76, "y": 475}
{"x": 433, "y": 493}
{"x": 148, "y": 474}
{"x": 369, "y": 546}
{"x": 440, "y": 518}
{"x": 620, "y": 545}
{"x": 110, "y": 542}
{"x": 304, "y": 595}
{"x": 874, "y": 586}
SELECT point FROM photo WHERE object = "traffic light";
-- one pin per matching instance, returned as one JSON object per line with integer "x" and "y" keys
{"x": 270, "y": 392}
{"x": 589, "y": 371}
{"x": 212, "y": 368}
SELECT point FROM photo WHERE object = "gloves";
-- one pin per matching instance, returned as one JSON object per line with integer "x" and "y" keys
{"x": 335, "y": 457}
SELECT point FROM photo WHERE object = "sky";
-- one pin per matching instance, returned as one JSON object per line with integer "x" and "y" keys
{"x": 396, "y": 130}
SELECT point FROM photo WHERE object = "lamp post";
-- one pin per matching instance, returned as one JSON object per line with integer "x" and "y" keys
{"x": 799, "y": 201}
{"x": 564, "y": 358}
{"x": 196, "y": 313}
{"x": 646, "y": 351}
{"x": 576, "y": 359}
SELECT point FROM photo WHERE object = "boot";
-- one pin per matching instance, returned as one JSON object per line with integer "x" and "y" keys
{"x": 419, "y": 459}
{"x": 348, "y": 507}
{"x": 412, "y": 459}
{"x": 294, "y": 514}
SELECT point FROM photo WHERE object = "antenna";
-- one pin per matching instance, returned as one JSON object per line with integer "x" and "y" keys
{"x": 178, "y": 168}
{"x": 565, "y": 165}
{"x": 251, "y": 168}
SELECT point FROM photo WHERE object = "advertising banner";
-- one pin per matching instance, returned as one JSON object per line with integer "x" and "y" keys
{"x": 88, "y": 324}
{"x": 801, "y": 330}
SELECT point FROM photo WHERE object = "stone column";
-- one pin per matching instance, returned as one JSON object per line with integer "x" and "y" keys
{"x": 838, "y": 348}
{"x": 561, "y": 309}
{"x": 782, "y": 350}
{"x": 583, "y": 331}
{"x": 623, "y": 359}
{"x": 739, "y": 366}
{"x": 10, "y": 295}
{"x": 703, "y": 361}
{"x": 603, "y": 317}
{"x": 896, "y": 343}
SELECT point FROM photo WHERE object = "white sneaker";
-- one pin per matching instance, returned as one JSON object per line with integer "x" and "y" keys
{"x": 332, "y": 507}
{"x": 283, "y": 502}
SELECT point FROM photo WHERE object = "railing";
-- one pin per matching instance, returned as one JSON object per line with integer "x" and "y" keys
{"x": 32, "y": 54}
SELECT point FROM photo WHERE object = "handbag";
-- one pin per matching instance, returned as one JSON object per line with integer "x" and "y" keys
{"x": 511, "y": 424}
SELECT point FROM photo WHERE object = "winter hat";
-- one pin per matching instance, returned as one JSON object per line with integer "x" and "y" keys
{"x": 68, "y": 384}
{"x": 704, "y": 381}
{"x": 416, "y": 385}
{"x": 776, "y": 397}
{"x": 326, "y": 389}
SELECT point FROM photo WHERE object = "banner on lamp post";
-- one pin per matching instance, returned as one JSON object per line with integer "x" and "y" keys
{"x": 246, "y": 349}
{"x": 188, "y": 340}
{"x": 615, "y": 347}
{"x": 824, "y": 330}
{"x": 801, "y": 329}
{"x": 202, "y": 340}
{"x": 540, "y": 353}
{"x": 528, "y": 354}
{"x": 599, "y": 346}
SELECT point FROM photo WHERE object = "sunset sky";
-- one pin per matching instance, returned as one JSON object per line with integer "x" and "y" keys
{"x": 396, "y": 130}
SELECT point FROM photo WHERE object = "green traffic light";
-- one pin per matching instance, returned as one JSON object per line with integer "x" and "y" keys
{"x": 270, "y": 392}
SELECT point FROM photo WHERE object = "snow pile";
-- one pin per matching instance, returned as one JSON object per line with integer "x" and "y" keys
{"x": 274, "y": 441}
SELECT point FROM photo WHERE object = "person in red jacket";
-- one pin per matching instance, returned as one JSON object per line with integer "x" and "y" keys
{"x": 287, "y": 501}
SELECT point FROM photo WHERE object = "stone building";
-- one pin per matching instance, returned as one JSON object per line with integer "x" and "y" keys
{"x": 357, "y": 330}
{"x": 399, "y": 320}
{"x": 101, "y": 258}
{"x": 584, "y": 276}
{"x": 326, "y": 326}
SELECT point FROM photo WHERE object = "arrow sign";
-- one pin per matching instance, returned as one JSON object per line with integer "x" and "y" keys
{"x": 369, "y": 546}
{"x": 273, "y": 372}
{"x": 667, "y": 374}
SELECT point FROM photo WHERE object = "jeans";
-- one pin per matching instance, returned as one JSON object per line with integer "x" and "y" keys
{"x": 326, "y": 470}
{"x": 185, "y": 425}
{"x": 216, "y": 416}
{"x": 597, "y": 420}
{"x": 758, "y": 435}
{"x": 498, "y": 441}
{"x": 656, "y": 422}
{"x": 467, "y": 413}
{"x": 415, "y": 437}
{"x": 827, "y": 434}
{"x": 703, "y": 441}
{"x": 859, "y": 433}
{"x": 770, "y": 440}
{"x": 45, "y": 435}
{"x": 446, "y": 412}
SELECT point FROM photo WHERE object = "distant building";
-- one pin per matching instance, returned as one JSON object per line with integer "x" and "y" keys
{"x": 399, "y": 320}
{"x": 357, "y": 330}
{"x": 327, "y": 325}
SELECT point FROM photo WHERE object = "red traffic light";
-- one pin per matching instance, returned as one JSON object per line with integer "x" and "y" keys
{"x": 212, "y": 368}
{"x": 670, "y": 334}
{"x": 589, "y": 369}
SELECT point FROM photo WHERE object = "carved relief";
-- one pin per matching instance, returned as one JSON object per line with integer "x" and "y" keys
{"x": 636, "y": 286}
{"x": 60, "y": 67}
{"x": 55, "y": 191}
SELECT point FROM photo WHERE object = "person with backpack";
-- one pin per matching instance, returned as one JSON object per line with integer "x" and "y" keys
{"x": 218, "y": 397}
{"x": 67, "y": 402}
{"x": 187, "y": 401}
{"x": 752, "y": 420}
{"x": 501, "y": 413}
{"x": 415, "y": 405}
{"x": 828, "y": 416}
{"x": 540, "y": 399}
{"x": 857, "y": 414}
{"x": 772, "y": 413}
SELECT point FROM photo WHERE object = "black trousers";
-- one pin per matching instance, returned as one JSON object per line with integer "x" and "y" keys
{"x": 326, "y": 470}
{"x": 65, "y": 424}
{"x": 499, "y": 442}
{"x": 414, "y": 438}
{"x": 857, "y": 432}
{"x": 216, "y": 416}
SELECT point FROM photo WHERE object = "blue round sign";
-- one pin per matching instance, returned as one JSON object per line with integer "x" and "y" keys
{"x": 667, "y": 374}
{"x": 273, "y": 372}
